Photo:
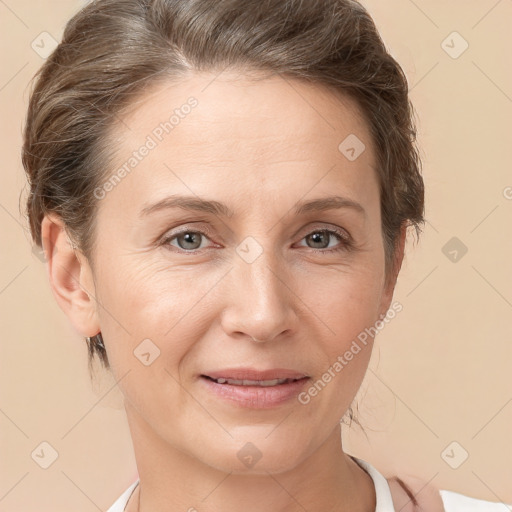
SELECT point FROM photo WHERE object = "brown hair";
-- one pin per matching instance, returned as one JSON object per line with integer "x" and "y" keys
{"x": 113, "y": 49}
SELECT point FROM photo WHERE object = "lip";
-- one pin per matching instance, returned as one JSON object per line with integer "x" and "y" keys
{"x": 255, "y": 396}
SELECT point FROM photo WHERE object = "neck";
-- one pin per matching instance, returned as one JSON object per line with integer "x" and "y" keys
{"x": 171, "y": 480}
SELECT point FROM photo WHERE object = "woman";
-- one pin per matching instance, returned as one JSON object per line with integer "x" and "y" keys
{"x": 223, "y": 191}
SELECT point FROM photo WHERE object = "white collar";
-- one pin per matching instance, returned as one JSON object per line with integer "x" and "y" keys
{"x": 382, "y": 490}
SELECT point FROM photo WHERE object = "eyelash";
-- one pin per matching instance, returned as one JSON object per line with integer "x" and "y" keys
{"x": 346, "y": 242}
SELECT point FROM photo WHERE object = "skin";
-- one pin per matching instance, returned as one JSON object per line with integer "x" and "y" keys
{"x": 259, "y": 147}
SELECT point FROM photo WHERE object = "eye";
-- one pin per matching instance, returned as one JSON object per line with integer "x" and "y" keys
{"x": 186, "y": 240}
{"x": 190, "y": 241}
{"x": 321, "y": 238}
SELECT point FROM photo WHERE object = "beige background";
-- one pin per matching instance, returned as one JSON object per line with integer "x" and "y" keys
{"x": 440, "y": 371}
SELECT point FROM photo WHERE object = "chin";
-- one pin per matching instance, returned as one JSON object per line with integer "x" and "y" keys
{"x": 255, "y": 452}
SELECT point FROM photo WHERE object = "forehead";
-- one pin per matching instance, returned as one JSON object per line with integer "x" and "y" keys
{"x": 244, "y": 106}
{"x": 263, "y": 134}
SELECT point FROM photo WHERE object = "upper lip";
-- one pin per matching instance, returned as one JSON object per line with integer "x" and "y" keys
{"x": 253, "y": 374}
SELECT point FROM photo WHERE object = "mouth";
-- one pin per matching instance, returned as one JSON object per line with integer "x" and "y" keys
{"x": 246, "y": 382}
{"x": 255, "y": 389}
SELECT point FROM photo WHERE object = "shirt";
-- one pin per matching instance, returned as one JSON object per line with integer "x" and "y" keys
{"x": 452, "y": 501}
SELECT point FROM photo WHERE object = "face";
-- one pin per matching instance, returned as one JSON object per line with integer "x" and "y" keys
{"x": 273, "y": 278}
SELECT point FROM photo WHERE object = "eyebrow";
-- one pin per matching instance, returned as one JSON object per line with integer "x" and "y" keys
{"x": 220, "y": 209}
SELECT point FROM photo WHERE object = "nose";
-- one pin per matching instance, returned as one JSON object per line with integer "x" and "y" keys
{"x": 259, "y": 302}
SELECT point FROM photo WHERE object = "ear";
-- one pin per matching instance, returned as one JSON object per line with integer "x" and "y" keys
{"x": 390, "y": 282}
{"x": 70, "y": 277}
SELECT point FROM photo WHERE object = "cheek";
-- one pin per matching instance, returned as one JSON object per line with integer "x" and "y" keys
{"x": 345, "y": 348}
{"x": 348, "y": 315}
{"x": 347, "y": 299}
{"x": 146, "y": 300}
{"x": 144, "y": 297}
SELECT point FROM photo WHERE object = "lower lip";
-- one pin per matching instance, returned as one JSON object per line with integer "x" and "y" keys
{"x": 256, "y": 397}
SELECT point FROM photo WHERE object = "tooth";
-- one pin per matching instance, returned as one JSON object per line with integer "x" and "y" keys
{"x": 270, "y": 382}
{"x": 245, "y": 382}
{"x": 251, "y": 382}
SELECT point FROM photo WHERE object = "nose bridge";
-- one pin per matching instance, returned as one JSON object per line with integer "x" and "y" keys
{"x": 261, "y": 278}
{"x": 262, "y": 304}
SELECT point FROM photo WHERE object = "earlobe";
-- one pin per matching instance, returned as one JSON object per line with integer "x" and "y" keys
{"x": 70, "y": 276}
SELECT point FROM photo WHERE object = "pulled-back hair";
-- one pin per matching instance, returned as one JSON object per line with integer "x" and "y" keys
{"x": 112, "y": 50}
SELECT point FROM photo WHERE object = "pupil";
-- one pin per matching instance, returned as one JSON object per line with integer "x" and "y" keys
{"x": 189, "y": 239}
{"x": 317, "y": 237}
